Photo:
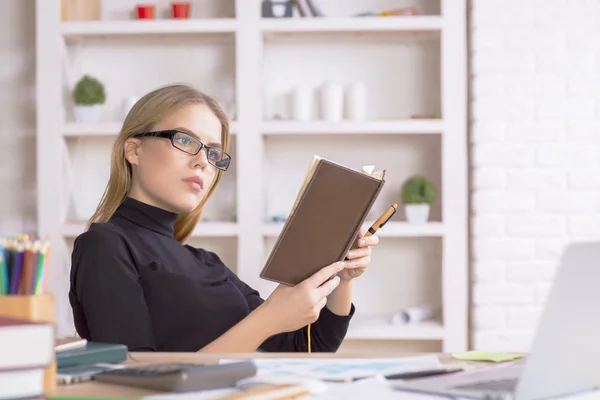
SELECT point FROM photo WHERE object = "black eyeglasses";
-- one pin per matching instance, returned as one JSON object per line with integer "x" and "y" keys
{"x": 189, "y": 144}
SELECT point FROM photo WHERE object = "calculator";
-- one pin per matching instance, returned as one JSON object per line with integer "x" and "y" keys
{"x": 180, "y": 377}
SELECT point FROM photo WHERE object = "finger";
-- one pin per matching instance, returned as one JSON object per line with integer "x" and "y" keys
{"x": 328, "y": 287}
{"x": 356, "y": 272}
{"x": 360, "y": 262}
{"x": 316, "y": 310}
{"x": 319, "y": 306}
{"x": 369, "y": 241}
{"x": 360, "y": 252}
{"x": 359, "y": 237}
{"x": 324, "y": 274}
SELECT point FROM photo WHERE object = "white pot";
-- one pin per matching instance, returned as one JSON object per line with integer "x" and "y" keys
{"x": 332, "y": 102}
{"x": 128, "y": 104}
{"x": 356, "y": 101}
{"x": 302, "y": 103}
{"x": 88, "y": 114}
{"x": 417, "y": 213}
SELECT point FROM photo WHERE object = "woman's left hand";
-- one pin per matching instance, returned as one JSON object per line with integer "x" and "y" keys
{"x": 359, "y": 256}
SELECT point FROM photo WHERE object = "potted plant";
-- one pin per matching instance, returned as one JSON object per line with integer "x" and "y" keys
{"x": 89, "y": 97}
{"x": 418, "y": 193}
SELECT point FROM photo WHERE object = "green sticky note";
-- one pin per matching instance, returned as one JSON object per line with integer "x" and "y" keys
{"x": 481, "y": 355}
{"x": 88, "y": 398}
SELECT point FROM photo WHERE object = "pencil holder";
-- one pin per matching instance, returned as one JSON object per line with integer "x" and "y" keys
{"x": 37, "y": 308}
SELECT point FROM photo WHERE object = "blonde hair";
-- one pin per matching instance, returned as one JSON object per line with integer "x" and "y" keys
{"x": 143, "y": 116}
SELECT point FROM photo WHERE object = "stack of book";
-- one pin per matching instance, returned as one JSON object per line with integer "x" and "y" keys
{"x": 78, "y": 360}
{"x": 26, "y": 349}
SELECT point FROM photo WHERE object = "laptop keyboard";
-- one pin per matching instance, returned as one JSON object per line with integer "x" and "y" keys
{"x": 501, "y": 385}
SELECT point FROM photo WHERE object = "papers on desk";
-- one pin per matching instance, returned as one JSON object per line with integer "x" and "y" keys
{"x": 201, "y": 395}
{"x": 344, "y": 369}
{"x": 321, "y": 376}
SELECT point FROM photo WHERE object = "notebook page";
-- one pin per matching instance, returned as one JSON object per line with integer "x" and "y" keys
{"x": 309, "y": 174}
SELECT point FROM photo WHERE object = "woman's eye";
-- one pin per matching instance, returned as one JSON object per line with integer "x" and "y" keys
{"x": 184, "y": 141}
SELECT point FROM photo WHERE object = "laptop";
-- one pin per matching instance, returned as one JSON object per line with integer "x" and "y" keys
{"x": 564, "y": 356}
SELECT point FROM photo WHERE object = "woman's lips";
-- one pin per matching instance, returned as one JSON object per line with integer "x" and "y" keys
{"x": 195, "y": 182}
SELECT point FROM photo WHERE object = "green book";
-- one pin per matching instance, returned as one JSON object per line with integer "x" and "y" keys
{"x": 87, "y": 398}
{"x": 92, "y": 353}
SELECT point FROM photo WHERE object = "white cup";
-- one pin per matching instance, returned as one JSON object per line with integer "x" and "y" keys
{"x": 356, "y": 101}
{"x": 332, "y": 101}
{"x": 128, "y": 103}
{"x": 302, "y": 103}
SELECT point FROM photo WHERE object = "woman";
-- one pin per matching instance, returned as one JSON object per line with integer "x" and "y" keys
{"x": 134, "y": 282}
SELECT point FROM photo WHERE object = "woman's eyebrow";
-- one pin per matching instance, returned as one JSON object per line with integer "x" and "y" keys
{"x": 189, "y": 132}
{"x": 186, "y": 130}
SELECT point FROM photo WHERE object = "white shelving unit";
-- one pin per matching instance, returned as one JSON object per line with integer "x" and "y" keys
{"x": 110, "y": 129}
{"x": 352, "y": 127}
{"x": 72, "y": 31}
{"x": 363, "y": 24}
{"x": 411, "y": 65}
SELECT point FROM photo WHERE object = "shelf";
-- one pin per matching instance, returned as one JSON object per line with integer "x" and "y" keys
{"x": 391, "y": 229}
{"x": 203, "y": 229}
{"x": 410, "y": 126}
{"x": 101, "y": 129}
{"x": 356, "y": 24}
{"x": 215, "y": 229}
{"x": 380, "y": 329}
{"x": 135, "y": 27}
{"x": 108, "y": 129}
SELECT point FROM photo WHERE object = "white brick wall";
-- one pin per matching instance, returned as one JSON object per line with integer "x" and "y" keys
{"x": 17, "y": 117}
{"x": 535, "y": 157}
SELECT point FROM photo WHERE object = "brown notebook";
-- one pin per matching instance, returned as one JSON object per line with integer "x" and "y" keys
{"x": 329, "y": 211}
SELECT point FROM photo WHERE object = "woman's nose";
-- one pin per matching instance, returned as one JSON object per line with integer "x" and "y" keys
{"x": 201, "y": 159}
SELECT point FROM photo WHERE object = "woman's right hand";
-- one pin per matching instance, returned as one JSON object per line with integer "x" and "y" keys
{"x": 292, "y": 308}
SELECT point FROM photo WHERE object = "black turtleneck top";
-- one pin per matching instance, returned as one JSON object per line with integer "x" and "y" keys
{"x": 132, "y": 283}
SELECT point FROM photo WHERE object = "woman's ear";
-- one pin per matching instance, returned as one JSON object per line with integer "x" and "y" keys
{"x": 131, "y": 148}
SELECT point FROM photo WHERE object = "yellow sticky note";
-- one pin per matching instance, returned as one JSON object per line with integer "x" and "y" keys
{"x": 481, "y": 355}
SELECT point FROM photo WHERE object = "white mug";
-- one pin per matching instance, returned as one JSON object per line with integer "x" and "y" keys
{"x": 356, "y": 101}
{"x": 332, "y": 101}
{"x": 302, "y": 103}
{"x": 128, "y": 103}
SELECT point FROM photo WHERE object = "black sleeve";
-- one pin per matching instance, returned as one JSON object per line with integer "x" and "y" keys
{"x": 327, "y": 333}
{"x": 106, "y": 292}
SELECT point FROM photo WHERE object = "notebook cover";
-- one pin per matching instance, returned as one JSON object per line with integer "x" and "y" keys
{"x": 323, "y": 224}
{"x": 92, "y": 353}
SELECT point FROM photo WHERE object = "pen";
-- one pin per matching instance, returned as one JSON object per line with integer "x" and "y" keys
{"x": 410, "y": 374}
{"x": 385, "y": 217}
{"x": 423, "y": 374}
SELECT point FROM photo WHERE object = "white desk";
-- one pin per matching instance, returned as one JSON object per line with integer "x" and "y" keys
{"x": 366, "y": 389}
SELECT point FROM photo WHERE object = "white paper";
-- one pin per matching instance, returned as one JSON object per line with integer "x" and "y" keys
{"x": 335, "y": 369}
{"x": 368, "y": 169}
{"x": 198, "y": 395}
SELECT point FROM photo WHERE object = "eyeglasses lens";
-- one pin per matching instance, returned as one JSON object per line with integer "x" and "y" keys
{"x": 191, "y": 145}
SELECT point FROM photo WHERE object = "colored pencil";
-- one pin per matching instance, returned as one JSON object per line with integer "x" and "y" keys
{"x": 17, "y": 268}
{"x": 23, "y": 265}
{"x": 3, "y": 271}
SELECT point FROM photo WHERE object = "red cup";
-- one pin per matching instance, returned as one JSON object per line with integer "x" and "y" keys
{"x": 181, "y": 9}
{"x": 145, "y": 11}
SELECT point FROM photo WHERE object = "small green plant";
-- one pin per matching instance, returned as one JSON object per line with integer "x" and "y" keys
{"x": 418, "y": 190}
{"x": 89, "y": 91}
